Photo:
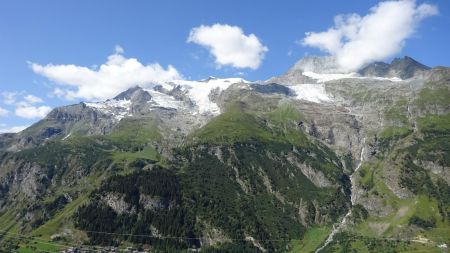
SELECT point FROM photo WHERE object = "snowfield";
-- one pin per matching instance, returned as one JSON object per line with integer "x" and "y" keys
{"x": 321, "y": 78}
{"x": 164, "y": 100}
{"x": 312, "y": 92}
{"x": 117, "y": 108}
{"x": 199, "y": 92}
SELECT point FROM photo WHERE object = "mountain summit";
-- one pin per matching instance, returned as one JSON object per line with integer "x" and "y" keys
{"x": 317, "y": 69}
{"x": 135, "y": 94}
{"x": 317, "y": 64}
{"x": 403, "y": 68}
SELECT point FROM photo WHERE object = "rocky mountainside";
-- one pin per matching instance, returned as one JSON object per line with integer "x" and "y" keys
{"x": 314, "y": 159}
{"x": 404, "y": 68}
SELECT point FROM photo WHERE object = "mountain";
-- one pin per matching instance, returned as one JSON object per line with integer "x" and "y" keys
{"x": 403, "y": 68}
{"x": 313, "y": 159}
{"x": 317, "y": 64}
{"x": 313, "y": 69}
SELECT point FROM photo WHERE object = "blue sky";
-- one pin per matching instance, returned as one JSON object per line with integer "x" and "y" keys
{"x": 85, "y": 33}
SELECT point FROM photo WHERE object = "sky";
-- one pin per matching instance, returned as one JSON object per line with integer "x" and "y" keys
{"x": 54, "y": 53}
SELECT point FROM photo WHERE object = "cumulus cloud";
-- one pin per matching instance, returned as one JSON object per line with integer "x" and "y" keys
{"x": 229, "y": 45}
{"x": 9, "y": 98}
{"x": 116, "y": 75}
{"x": 118, "y": 49}
{"x": 13, "y": 129}
{"x": 32, "y": 112}
{"x": 32, "y": 99}
{"x": 3, "y": 112}
{"x": 358, "y": 40}
{"x": 24, "y": 105}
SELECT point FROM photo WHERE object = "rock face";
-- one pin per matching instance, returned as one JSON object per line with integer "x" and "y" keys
{"x": 138, "y": 98}
{"x": 316, "y": 64}
{"x": 272, "y": 88}
{"x": 60, "y": 122}
{"x": 152, "y": 203}
{"x": 316, "y": 177}
{"x": 403, "y": 68}
{"x": 118, "y": 204}
{"x": 135, "y": 94}
{"x": 31, "y": 180}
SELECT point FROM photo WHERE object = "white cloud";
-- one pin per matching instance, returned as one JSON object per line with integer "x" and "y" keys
{"x": 9, "y": 98}
{"x": 229, "y": 45}
{"x": 32, "y": 99}
{"x": 32, "y": 112}
{"x": 118, "y": 49}
{"x": 59, "y": 92}
{"x": 356, "y": 41}
{"x": 114, "y": 76}
{"x": 13, "y": 129}
{"x": 25, "y": 106}
{"x": 3, "y": 112}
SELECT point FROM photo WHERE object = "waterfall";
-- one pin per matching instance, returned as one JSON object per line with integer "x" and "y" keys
{"x": 337, "y": 227}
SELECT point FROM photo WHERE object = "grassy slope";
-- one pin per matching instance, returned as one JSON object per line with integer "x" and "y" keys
{"x": 312, "y": 239}
{"x": 279, "y": 126}
{"x": 347, "y": 242}
{"x": 135, "y": 134}
{"x": 238, "y": 125}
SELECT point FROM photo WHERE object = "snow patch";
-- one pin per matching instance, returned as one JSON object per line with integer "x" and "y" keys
{"x": 311, "y": 92}
{"x": 321, "y": 78}
{"x": 442, "y": 246}
{"x": 117, "y": 108}
{"x": 199, "y": 91}
{"x": 67, "y": 136}
{"x": 392, "y": 79}
{"x": 164, "y": 100}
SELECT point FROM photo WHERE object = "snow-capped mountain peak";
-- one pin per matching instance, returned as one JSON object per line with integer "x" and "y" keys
{"x": 195, "y": 97}
{"x": 202, "y": 93}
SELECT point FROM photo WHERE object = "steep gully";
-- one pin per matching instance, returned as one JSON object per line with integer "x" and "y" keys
{"x": 337, "y": 227}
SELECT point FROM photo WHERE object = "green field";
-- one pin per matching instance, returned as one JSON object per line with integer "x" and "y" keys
{"x": 312, "y": 239}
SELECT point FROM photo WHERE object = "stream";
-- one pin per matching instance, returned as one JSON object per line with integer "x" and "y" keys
{"x": 337, "y": 227}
